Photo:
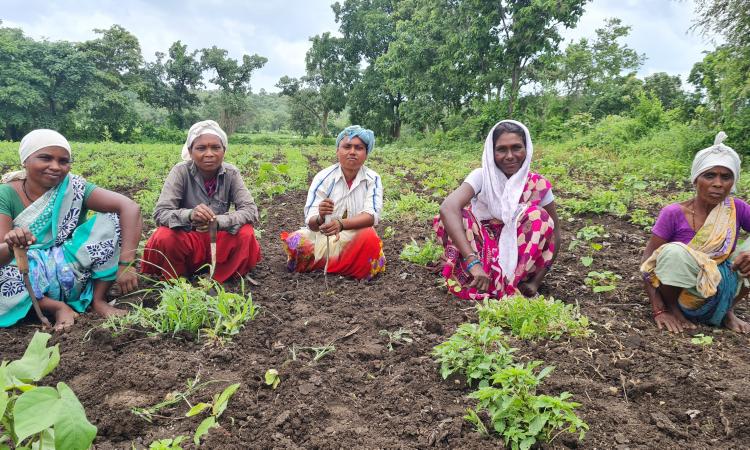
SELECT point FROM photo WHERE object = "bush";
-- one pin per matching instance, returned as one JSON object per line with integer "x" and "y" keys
{"x": 534, "y": 318}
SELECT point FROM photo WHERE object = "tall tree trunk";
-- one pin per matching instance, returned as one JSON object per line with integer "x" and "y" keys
{"x": 324, "y": 124}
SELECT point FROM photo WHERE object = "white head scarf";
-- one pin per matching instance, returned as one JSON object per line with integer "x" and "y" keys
{"x": 716, "y": 155}
{"x": 200, "y": 128}
{"x": 499, "y": 198}
{"x": 35, "y": 141}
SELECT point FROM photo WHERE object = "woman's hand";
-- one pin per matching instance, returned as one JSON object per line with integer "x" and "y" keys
{"x": 201, "y": 216}
{"x": 334, "y": 227}
{"x": 19, "y": 237}
{"x": 742, "y": 263}
{"x": 325, "y": 207}
{"x": 481, "y": 280}
{"x": 127, "y": 279}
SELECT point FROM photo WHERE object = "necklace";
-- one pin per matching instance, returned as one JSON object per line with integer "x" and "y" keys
{"x": 23, "y": 186}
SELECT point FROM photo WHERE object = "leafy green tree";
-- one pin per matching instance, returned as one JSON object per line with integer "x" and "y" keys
{"x": 117, "y": 54}
{"x": 665, "y": 87}
{"x": 304, "y": 105}
{"x": 234, "y": 81}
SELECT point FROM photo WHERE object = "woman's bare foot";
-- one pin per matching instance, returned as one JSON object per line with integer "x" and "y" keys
{"x": 64, "y": 318}
{"x": 104, "y": 309}
{"x": 529, "y": 288}
{"x": 736, "y": 324}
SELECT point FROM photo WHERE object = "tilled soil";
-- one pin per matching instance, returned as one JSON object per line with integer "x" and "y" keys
{"x": 639, "y": 387}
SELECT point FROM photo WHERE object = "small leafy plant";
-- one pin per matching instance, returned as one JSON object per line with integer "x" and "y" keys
{"x": 534, "y": 318}
{"x": 475, "y": 351}
{"x": 167, "y": 444}
{"x": 602, "y": 281}
{"x": 40, "y": 417}
{"x": 587, "y": 234}
{"x": 397, "y": 337}
{"x": 192, "y": 309}
{"x": 425, "y": 255}
{"x": 702, "y": 340}
{"x": 518, "y": 414}
{"x": 217, "y": 408}
{"x": 272, "y": 378}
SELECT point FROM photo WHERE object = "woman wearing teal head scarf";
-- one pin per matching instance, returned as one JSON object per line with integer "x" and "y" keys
{"x": 343, "y": 206}
{"x": 73, "y": 259}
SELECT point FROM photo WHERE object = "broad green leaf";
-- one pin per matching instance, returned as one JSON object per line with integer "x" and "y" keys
{"x": 208, "y": 423}
{"x": 586, "y": 261}
{"x": 35, "y": 410}
{"x": 37, "y": 360}
{"x": 537, "y": 424}
{"x": 46, "y": 440}
{"x": 221, "y": 403}
{"x": 527, "y": 443}
{"x": 73, "y": 431}
{"x": 5, "y": 379}
{"x": 272, "y": 378}
{"x": 197, "y": 409}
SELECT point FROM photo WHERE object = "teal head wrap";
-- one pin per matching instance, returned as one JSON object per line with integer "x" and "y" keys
{"x": 367, "y": 136}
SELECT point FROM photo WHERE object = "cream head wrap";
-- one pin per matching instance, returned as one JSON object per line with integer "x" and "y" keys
{"x": 201, "y": 128}
{"x": 499, "y": 198}
{"x": 35, "y": 141}
{"x": 716, "y": 155}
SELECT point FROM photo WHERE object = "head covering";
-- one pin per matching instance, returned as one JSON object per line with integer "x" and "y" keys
{"x": 716, "y": 155}
{"x": 499, "y": 198}
{"x": 201, "y": 128}
{"x": 367, "y": 136}
{"x": 33, "y": 142}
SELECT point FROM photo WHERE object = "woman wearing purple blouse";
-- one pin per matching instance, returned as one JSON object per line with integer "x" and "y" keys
{"x": 693, "y": 269}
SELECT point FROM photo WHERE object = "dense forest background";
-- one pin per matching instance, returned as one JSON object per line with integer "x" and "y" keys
{"x": 412, "y": 70}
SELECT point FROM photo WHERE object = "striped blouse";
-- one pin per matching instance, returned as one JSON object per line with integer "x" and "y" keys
{"x": 365, "y": 194}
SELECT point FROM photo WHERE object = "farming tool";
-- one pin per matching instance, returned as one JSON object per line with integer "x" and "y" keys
{"x": 327, "y": 220}
{"x": 22, "y": 261}
{"x": 213, "y": 227}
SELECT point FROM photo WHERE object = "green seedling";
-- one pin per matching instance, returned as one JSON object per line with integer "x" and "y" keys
{"x": 193, "y": 386}
{"x": 534, "y": 318}
{"x": 474, "y": 351}
{"x": 425, "y": 255}
{"x": 318, "y": 352}
{"x": 215, "y": 408}
{"x": 389, "y": 232}
{"x": 272, "y": 378}
{"x": 518, "y": 414}
{"x": 702, "y": 340}
{"x": 40, "y": 417}
{"x": 586, "y": 235}
{"x": 602, "y": 281}
{"x": 167, "y": 444}
{"x": 397, "y": 337}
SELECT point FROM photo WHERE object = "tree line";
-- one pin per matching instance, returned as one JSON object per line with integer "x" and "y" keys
{"x": 420, "y": 66}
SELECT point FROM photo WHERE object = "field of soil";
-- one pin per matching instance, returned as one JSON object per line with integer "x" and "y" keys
{"x": 639, "y": 387}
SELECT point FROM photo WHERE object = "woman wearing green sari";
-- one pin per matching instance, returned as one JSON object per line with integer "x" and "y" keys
{"x": 73, "y": 259}
{"x": 693, "y": 267}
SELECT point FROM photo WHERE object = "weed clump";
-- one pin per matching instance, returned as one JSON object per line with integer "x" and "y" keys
{"x": 534, "y": 318}
{"x": 424, "y": 255}
{"x": 185, "y": 308}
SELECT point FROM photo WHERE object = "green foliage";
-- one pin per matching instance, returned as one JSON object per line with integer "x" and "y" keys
{"x": 702, "y": 340}
{"x": 272, "y": 378}
{"x": 410, "y": 206}
{"x": 425, "y": 255}
{"x": 602, "y": 281}
{"x": 520, "y": 415}
{"x": 167, "y": 444}
{"x": 475, "y": 351}
{"x": 534, "y": 318}
{"x": 34, "y": 416}
{"x": 216, "y": 408}
{"x": 191, "y": 309}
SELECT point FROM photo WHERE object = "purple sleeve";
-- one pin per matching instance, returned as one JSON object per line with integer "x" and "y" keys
{"x": 743, "y": 214}
{"x": 665, "y": 223}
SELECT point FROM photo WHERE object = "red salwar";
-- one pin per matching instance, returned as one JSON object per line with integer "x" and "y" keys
{"x": 172, "y": 253}
{"x": 357, "y": 253}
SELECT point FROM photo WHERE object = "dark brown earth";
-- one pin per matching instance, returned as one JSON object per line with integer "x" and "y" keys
{"x": 636, "y": 384}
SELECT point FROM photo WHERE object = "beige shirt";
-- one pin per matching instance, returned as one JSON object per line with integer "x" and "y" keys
{"x": 184, "y": 190}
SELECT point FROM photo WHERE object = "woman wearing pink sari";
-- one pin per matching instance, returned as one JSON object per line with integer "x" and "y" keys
{"x": 500, "y": 227}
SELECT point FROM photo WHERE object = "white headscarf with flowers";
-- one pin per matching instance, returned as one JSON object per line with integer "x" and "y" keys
{"x": 201, "y": 128}
{"x": 500, "y": 197}
{"x": 716, "y": 155}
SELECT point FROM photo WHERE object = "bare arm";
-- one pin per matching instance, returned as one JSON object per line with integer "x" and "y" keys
{"x": 552, "y": 211}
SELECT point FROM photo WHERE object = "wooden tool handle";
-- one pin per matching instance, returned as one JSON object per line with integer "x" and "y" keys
{"x": 22, "y": 259}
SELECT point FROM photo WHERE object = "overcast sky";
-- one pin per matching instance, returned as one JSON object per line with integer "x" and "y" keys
{"x": 280, "y": 29}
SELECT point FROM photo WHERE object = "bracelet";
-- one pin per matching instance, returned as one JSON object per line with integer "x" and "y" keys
{"x": 472, "y": 264}
{"x": 470, "y": 255}
{"x": 340, "y": 223}
{"x": 659, "y": 312}
{"x": 124, "y": 263}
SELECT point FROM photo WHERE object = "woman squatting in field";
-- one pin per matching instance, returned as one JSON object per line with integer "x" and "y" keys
{"x": 499, "y": 228}
{"x": 73, "y": 259}
{"x": 692, "y": 267}
{"x": 343, "y": 206}
{"x": 197, "y": 193}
